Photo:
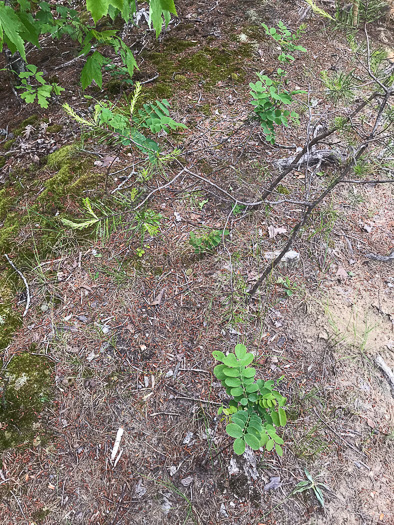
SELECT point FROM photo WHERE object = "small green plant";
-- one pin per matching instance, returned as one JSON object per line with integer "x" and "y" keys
{"x": 207, "y": 242}
{"x": 256, "y": 408}
{"x": 310, "y": 484}
{"x": 238, "y": 208}
{"x": 124, "y": 126}
{"x": 286, "y": 40}
{"x": 202, "y": 203}
{"x": 146, "y": 221}
{"x": 42, "y": 91}
{"x": 318, "y": 10}
{"x": 339, "y": 86}
{"x": 288, "y": 286}
{"x": 269, "y": 96}
{"x": 117, "y": 72}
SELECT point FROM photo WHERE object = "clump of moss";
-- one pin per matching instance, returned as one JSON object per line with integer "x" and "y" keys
{"x": 116, "y": 86}
{"x": 7, "y": 233}
{"x": 27, "y": 388}
{"x": 10, "y": 320}
{"x": 206, "y": 109}
{"x": 2, "y": 161}
{"x": 282, "y": 189}
{"x": 255, "y": 32}
{"x": 175, "y": 46}
{"x": 5, "y": 203}
{"x": 60, "y": 157}
{"x": 160, "y": 90}
{"x": 70, "y": 167}
{"x": 89, "y": 180}
{"x": 7, "y": 145}
{"x": 180, "y": 78}
{"x": 205, "y": 167}
{"x": 215, "y": 64}
{"x": 40, "y": 515}
{"x": 54, "y": 128}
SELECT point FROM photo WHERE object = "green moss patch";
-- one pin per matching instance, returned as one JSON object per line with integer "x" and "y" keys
{"x": 8, "y": 145}
{"x": 54, "y": 128}
{"x": 180, "y": 66}
{"x": 282, "y": 189}
{"x": 215, "y": 64}
{"x": 5, "y": 203}
{"x": 176, "y": 46}
{"x": 70, "y": 168}
{"x": 26, "y": 388}
{"x": 7, "y": 233}
{"x": 10, "y": 320}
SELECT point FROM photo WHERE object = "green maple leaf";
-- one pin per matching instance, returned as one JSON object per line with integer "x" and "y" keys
{"x": 97, "y": 8}
{"x": 92, "y": 70}
{"x": 11, "y": 26}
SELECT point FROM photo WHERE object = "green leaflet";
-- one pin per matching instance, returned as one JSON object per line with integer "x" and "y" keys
{"x": 252, "y": 441}
{"x": 282, "y": 417}
{"x": 239, "y": 446}
{"x": 240, "y": 351}
{"x": 234, "y": 430}
{"x": 278, "y": 450}
{"x": 168, "y": 5}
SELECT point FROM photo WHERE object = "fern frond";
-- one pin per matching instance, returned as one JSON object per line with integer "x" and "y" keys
{"x": 78, "y": 225}
{"x": 318, "y": 10}
{"x": 136, "y": 95}
{"x": 76, "y": 117}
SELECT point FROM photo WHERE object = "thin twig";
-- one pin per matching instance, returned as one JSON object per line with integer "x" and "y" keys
{"x": 19, "y": 505}
{"x": 199, "y": 400}
{"x": 25, "y": 282}
{"x": 387, "y": 181}
{"x": 339, "y": 435}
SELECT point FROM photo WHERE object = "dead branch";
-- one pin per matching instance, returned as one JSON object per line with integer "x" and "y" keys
{"x": 387, "y": 372}
{"x": 381, "y": 258}
{"x": 316, "y": 158}
{"x": 313, "y": 142}
{"x": 351, "y": 161}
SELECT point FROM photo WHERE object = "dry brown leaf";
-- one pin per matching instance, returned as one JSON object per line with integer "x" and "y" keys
{"x": 158, "y": 299}
{"x": 273, "y": 232}
{"x": 342, "y": 274}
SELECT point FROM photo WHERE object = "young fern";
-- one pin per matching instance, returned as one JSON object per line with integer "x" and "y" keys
{"x": 124, "y": 126}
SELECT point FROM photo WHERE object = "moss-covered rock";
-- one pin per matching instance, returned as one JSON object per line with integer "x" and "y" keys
{"x": 26, "y": 388}
{"x": 54, "y": 128}
{"x": 90, "y": 180}
{"x": 61, "y": 157}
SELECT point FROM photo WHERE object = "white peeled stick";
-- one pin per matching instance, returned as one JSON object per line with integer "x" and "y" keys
{"x": 117, "y": 443}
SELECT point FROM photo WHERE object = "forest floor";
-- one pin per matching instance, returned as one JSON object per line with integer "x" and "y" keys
{"x": 122, "y": 341}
